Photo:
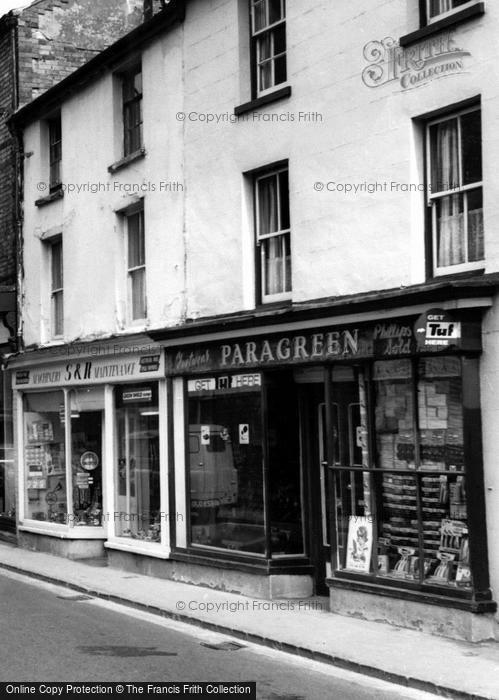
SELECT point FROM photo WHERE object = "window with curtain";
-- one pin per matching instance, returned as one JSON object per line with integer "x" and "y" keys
{"x": 136, "y": 265}
{"x": 455, "y": 197}
{"x": 268, "y": 40}
{"x": 436, "y": 8}
{"x": 273, "y": 234}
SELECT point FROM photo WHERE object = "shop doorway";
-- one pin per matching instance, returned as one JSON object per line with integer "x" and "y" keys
{"x": 87, "y": 411}
{"x": 329, "y": 438}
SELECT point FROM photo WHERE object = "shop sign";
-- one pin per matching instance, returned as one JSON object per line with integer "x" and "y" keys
{"x": 22, "y": 377}
{"x": 384, "y": 340}
{"x": 436, "y": 328}
{"x": 150, "y": 363}
{"x": 89, "y": 461}
{"x": 139, "y": 395}
{"x": 100, "y": 370}
{"x": 235, "y": 381}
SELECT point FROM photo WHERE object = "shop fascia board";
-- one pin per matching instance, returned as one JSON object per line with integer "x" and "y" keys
{"x": 85, "y": 350}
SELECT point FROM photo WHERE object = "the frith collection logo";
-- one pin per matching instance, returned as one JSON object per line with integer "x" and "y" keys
{"x": 413, "y": 66}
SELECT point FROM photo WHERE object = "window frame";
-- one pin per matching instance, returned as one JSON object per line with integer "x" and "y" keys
{"x": 473, "y": 473}
{"x": 262, "y": 297}
{"x": 428, "y": 21}
{"x": 133, "y": 270}
{"x": 56, "y": 292}
{"x": 255, "y": 36}
{"x": 462, "y": 189}
{"x": 127, "y": 78}
{"x": 54, "y": 127}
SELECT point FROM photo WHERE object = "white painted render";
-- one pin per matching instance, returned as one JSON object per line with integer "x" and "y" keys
{"x": 199, "y": 239}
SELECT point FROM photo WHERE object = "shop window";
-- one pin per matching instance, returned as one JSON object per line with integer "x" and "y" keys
{"x": 402, "y": 516}
{"x": 87, "y": 406}
{"x": 7, "y": 461}
{"x": 268, "y": 44}
{"x": 273, "y": 235}
{"x": 136, "y": 265}
{"x": 132, "y": 109}
{"x": 137, "y": 495}
{"x": 55, "y": 152}
{"x": 51, "y": 478}
{"x": 44, "y": 457}
{"x": 456, "y": 199}
{"x": 57, "y": 287}
{"x": 225, "y": 453}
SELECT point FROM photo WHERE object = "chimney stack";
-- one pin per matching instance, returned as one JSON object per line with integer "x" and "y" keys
{"x": 152, "y": 7}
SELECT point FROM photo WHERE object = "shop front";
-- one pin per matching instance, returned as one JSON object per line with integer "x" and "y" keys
{"x": 341, "y": 460}
{"x": 88, "y": 437}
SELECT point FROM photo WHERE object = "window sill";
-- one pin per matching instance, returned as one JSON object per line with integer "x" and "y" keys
{"x": 450, "y": 276}
{"x": 450, "y": 21}
{"x": 52, "y": 197}
{"x": 65, "y": 532}
{"x": 274, "y": 96}
{"x": 148, "y": 549}
{"x": 257, "y": 563}
{"x": 393, "y": 589}
{"x": 273, "y": 306}
{"x": 137, "y": 155}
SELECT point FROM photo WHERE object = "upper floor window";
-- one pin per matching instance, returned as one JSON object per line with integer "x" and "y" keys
{"x": 136, "y": 265}
{"x": 55, "y": 152}
{"x": 57, "y": 288}
{"x": 132, "y": 110}
{"x": 438, "y": 9}
{"x": 268, "y": 44}
{"x": 456, "y": 198}
{"x": 273, "y": 234}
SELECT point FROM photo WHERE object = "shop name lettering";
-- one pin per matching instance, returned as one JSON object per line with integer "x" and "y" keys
{"x": 433, "y": 58}
{"x": 84, "y": 371}
{"x": 394, "y": 339}
{"x": 383, "y": 339}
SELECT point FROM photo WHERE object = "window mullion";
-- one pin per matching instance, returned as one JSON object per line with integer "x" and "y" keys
{"x": 466, "y": 222}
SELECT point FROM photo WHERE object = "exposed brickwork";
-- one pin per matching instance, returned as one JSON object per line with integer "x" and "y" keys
{"x": 7, "y": 104}
{"x": 54, "y": 38}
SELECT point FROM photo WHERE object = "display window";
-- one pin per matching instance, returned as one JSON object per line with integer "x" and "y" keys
{"x": 237, "y": 426}
{"x": 44, "y": 458}
{"x": 225, "y": 463}
{"x": 137, "y": 481}
{"x": 64, "y": 488}
{"x": 402, "y": 513}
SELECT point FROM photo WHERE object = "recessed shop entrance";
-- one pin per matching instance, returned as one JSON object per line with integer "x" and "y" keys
{"x": 330, "y": 418}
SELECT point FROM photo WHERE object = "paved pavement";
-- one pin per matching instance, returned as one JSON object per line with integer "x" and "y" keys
{"x": 446, "y": 667}
{"x": 80, "y": 639}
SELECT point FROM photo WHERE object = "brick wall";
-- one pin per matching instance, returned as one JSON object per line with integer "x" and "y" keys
{"x": 7, "y": 258}
{"x": 55, "y": 37}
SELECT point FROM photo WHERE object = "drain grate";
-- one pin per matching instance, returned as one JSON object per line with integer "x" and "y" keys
{"x": 224, "y": 646}
{"x": 75, "y": 598}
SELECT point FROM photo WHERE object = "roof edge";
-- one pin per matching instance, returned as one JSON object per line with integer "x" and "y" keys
{"x": 173, "y": 13}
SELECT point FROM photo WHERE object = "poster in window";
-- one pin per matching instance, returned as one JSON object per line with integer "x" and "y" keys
{"x": 359, "y": 545}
